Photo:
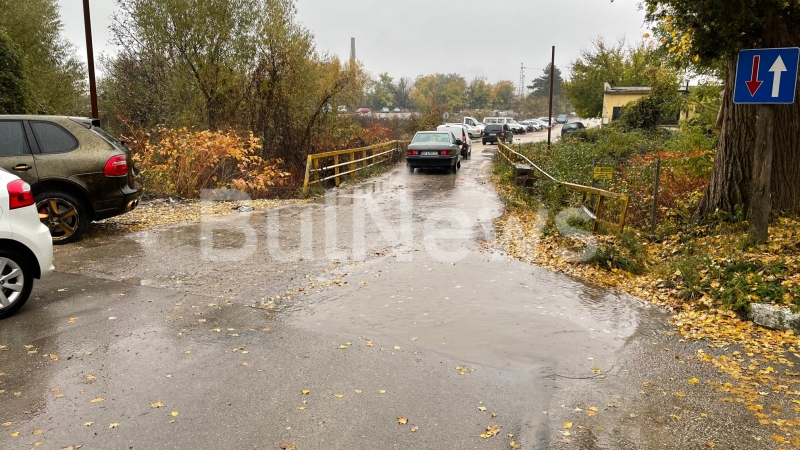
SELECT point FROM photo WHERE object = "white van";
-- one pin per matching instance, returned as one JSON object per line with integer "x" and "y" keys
{"x": 460, "y": 132}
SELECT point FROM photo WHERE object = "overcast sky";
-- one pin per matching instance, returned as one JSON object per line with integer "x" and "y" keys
{"x": 407, "y": 38}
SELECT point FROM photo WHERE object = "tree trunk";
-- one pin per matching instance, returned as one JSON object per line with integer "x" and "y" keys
{"x": 728, "y": 189}
{"x": 760, "y": 203}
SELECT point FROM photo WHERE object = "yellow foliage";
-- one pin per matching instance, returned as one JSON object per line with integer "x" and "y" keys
{"x": 183, "y": 162}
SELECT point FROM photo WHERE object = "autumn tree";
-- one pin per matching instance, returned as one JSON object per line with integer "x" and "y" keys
{"x": 439, "y": 90}
{"x": 710, "y": 33}
{"x": 503, "y": 94}
{"x": 55, "y": 78}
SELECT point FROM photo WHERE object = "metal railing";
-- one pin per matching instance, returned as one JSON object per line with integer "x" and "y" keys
{"x": 322, "y": 167}
{"x": 603, "y": 197}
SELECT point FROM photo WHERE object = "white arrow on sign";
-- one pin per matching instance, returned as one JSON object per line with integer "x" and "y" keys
{"x": 777, "y": 69}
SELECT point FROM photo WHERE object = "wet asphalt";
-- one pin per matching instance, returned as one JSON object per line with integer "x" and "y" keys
{"x": 206, "y": 336}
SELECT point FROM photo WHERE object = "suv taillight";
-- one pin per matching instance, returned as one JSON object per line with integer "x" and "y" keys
{"x": 116, "y": 166}
{"x": 19, "y": 194}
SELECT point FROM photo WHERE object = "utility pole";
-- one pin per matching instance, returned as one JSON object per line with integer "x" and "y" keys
{"x": 550, "y": 113}
{"x": 90, "y": 59}
{"x": 521, "y": 89}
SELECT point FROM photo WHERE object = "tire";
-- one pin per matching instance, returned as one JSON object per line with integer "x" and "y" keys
{"x": 15, "y": 290}
{"x": 411, "y": 169}
{"x": 66, "y": 216}
{"x": 483, "y": 142}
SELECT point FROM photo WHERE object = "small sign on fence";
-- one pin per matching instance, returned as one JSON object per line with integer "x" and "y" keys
{"x": 603, "y": 173}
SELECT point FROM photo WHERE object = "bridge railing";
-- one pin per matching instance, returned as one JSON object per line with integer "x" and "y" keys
{"x": 322, "y": 167}
{"x": 610, "y": 208}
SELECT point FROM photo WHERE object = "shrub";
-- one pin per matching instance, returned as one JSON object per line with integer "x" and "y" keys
{"x": 182, "y": 162}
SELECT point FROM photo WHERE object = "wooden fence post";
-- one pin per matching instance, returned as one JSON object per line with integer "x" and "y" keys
{"x": 336, "y": 169}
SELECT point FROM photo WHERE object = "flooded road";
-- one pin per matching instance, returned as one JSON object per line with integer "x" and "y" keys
{"x": 322, "y": 325}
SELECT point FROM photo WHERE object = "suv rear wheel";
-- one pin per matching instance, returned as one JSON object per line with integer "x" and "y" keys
{"x": 63, "y": 214}
{"x": 16, "y": 282}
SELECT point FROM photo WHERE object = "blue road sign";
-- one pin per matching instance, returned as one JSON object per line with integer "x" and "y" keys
{"x": 766, "y": 76}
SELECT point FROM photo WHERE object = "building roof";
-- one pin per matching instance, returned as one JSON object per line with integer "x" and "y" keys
{"x": 608, "y": 89}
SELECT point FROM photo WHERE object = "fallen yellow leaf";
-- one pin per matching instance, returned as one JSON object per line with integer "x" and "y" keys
{"x": 338, "y": 395}
{"x": 305, "y": 392}
{"x": 491, "y": 430}
{"x": 88, "y": 424}
{"x": 174, "y": 413}
{"x": 158, "y": 404}
{"x": 402, "y": 420}
{"x": 97, "y": 400}
{"x": 693, "y": 380}
{"x": 567, "y": 425}
{"x": 114, "y": 425}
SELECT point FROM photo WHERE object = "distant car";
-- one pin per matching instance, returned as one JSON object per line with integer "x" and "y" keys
{"x": 363, "y": 111}
{"x": 78, "y": 172}
{"x": 530, "y": 126}
{"x": 342, "y": 108}
{"x": 384, "y": 110}
{"x": 571, "y": 128}
{"x": 26, "y": 248}
{"x": 434, "y": 149}
{"x": 546, "y": 120}
{"x": 495, "y": 132}
{"x": 562, "y": 118}
{"x": 460, "y": 131}
{"x": 397, "y": 110}
{"x": 542, "y": 123}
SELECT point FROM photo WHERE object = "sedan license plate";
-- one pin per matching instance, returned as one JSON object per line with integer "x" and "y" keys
{"x": 430, "y": 153}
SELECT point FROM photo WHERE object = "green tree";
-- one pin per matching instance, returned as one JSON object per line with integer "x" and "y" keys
{"x": 540, "y": 87}
{"x": 479, "y": 93}
{"x": 213, "y": 40}
{"x": 662, "y": 104}
{"x": 54, "y": 76}
{"x": 402, "y": 93}
{"x": 708, "y": 34}
{"x": 617, "y": 64}
{"x": 382, "y": 92}
{"x": 13, "y": 89}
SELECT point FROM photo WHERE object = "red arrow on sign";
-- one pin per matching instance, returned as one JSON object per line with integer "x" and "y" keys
{"x": 754, "y": 84}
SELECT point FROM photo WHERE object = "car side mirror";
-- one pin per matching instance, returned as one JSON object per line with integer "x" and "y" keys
{"x": 458, "y": 142}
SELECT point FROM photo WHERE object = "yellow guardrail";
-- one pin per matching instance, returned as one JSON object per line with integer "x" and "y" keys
{"x": 600, "y": 207}
{"x": 326, "y": 166}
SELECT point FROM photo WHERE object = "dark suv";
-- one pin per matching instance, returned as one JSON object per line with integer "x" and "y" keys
{"x": 497, "y": 131}
{"x": 571, "y": 128}
{"x": 78, "y": 172}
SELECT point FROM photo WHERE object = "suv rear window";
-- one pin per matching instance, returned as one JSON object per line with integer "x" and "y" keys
{"x": 493, "y": 128}
{"x": 13, "y": 141}
{"x": 52, "y": 138}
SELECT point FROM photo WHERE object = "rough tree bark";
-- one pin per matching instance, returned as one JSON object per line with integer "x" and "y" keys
{"x": 760, "y": 204}
{"x": 728, "y": 188}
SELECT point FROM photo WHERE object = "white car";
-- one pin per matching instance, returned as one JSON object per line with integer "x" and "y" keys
{"x": 26, "y": 247}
